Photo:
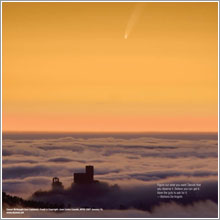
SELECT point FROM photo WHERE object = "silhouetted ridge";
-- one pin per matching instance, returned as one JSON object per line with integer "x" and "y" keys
{"x": 87, "y": 192}
{"x": 13, "y": 201}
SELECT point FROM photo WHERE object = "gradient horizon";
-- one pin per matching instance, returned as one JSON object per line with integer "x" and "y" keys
{"x": 67, "y": 67}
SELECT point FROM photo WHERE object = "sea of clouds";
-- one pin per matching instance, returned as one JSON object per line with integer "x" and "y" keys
{"x": 135, "y": 162}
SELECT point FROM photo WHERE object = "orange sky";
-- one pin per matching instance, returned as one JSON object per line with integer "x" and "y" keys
{"x": 68, "y": 67}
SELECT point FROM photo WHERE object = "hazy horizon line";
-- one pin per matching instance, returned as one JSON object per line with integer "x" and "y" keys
{"x": 12, "y": 131}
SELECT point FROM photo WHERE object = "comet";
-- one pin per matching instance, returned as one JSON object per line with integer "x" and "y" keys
{"x": 138, "y": 9}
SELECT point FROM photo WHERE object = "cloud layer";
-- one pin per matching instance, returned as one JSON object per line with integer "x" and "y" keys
{"x": 129, "y": 160}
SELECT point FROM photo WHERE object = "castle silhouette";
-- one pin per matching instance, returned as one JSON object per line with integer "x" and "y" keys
{"x": 78, "y": 178}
